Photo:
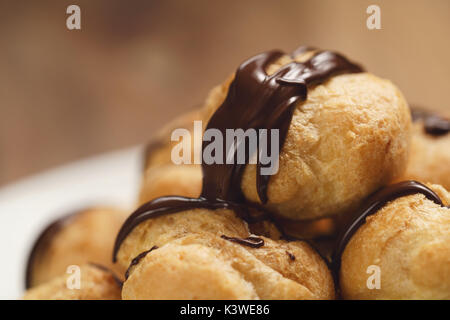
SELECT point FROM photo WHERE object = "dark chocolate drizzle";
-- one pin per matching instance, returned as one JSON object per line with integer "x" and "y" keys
{"x": 433, "y": 124}
{"x": 103, "y": 268}
{"x": 252, "y": 241}
{"x": 260, "y": 101}
{"x": 374, "y": 203}
{"x": 137, "y": 259}
{"x": 255, "y": 100}
{"x": 163, "y": 206}
{"x": 290, "y": 255}
{"x": 43, "y": 242}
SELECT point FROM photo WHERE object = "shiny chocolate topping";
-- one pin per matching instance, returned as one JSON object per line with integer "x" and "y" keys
{"x": 255, "y": 100}
{"x": 252, "y": 242}
{"x": 43, "y": 242}
{"x": 374, "y": 203}
{"x": 103, "y": 268}
{"x": 137, "y": 259}
{"x": 434, "y": 124}
{"x": 292, "y": 256}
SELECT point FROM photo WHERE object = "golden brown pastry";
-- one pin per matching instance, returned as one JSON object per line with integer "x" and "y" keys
{"x": 350, "y": 137}
{"x": 86, "y": 236}
{"x": 158, "y": 151}
{"x": 309, "y": 229}
{"x": 170, "y": 179}
{"x": 204, "y": 254}
{"x": 406, "y": 244}
{"x": 166, "y": 228}
{"x": 204, "y": 266}
{"x": 430, "y": 149}
{"x": 95, "y": 283}
{"x": 161, "y": 175}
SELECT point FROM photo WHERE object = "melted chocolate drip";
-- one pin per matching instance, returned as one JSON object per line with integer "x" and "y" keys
{"x": 167, "y": 205}
{"x": 43, "y": 242}
{"x": 433, "y": 123}
{"x": 290, "y": 255}
{"x": 137, "y": 259}
{"x": 255, "y": 100}
{"x": 103, "y": 268}
{"x": 374, "y": 203}
{"x": 253, "y": 242}
{"x": 264, "y": 101}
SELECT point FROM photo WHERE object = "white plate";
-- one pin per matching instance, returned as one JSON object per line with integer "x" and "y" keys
{"x": 29, "y": 205}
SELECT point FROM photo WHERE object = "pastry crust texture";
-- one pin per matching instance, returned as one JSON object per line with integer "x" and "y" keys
{"x": 95, "y": 284}
{"x": 161, "y": 146}
{"x": 409, "y": 240}
{"x": 192, "y": 261}
{"x": 430, "y": 157}
{"x": 350, "y": 137}
{"x": 85, "y": 237}
{"x": 161, "y": 230}
{"x": 161, "y": 176}
{"x": 179, "y": 180}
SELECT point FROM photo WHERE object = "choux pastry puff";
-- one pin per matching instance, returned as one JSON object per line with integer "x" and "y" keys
{"x": 403, "y": 239}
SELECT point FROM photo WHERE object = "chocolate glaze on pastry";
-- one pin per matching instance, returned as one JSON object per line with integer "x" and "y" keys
{"x": 262, "y": 101}
{"x": 252, "y": 242}
{"x": 103, "y": 268}
{"x": 433, "y": 123}
{"x": 43, "y": 241}
{"x": 375, "y": 202}
{"x": 63, "y": 242}
{"x": 292, "y": 257}
{"x": 269, "y": 104}
{"x": 137, "y": 259}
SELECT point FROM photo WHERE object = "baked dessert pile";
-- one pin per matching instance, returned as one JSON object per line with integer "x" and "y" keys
{"x": 358, "y": 208}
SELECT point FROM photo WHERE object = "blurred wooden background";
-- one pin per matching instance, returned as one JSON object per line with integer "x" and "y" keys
{"x": 134, "y": 65}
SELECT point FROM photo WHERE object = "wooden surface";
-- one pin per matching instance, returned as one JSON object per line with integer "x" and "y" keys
{"x": 134, "y": 65}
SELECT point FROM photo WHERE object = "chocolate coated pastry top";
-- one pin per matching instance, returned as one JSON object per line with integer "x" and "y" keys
{"x": 268, "y": 99}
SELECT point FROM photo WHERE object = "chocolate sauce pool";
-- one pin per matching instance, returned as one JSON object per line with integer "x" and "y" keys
{"x": 255, "y": 100}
